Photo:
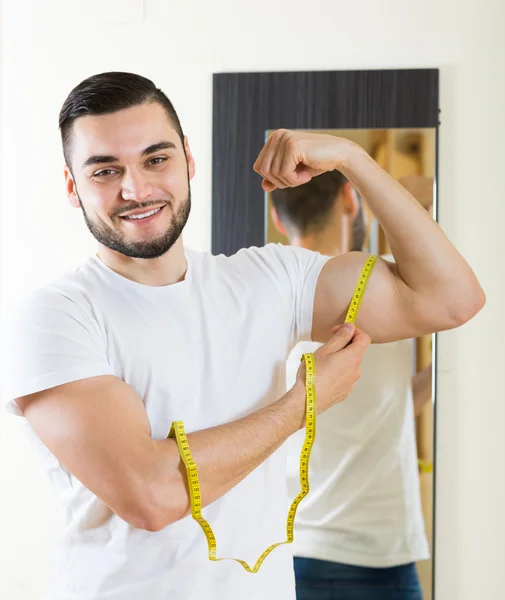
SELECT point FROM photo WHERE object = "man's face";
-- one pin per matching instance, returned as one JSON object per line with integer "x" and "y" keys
{"x": 130, "y": 175}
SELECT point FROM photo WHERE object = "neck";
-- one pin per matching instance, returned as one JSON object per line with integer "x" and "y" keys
{"x": 165, "y": 270}
{"x": 325, "y": 244}
{"x": 333, "y": 240}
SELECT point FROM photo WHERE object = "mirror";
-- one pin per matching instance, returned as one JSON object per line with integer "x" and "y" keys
{"x": 373, "y": 469}
{"x": 394, "y": 115}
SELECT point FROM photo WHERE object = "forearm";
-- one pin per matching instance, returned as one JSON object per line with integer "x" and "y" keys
{"x": 434, "y": 272}
{"x": 421, "y": 389}
{"x": 224, "y": 456}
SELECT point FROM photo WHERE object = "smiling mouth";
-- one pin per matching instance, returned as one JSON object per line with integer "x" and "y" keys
{"x": 140, "y": 216}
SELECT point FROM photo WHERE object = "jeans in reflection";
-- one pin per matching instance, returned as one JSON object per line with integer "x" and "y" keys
{"x": 326, "y": 580}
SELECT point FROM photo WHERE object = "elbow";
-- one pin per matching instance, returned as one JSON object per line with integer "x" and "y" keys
{"x": 449, "y": 311}
{"x": 466, "y": 310}
{"x": 147, "y": 521}
{"x": 150, "y": 519}
{"x": 464, "y": 307}
{"x": 153, "y": 512}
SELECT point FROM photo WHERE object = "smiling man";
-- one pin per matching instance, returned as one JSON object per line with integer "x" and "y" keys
{"x": 141, "y": 213}
{"x": 106, "y": 157}
{"x": 147, "y": 332}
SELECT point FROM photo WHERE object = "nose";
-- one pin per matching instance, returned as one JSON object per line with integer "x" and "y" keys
{"x": 135, "y": 186}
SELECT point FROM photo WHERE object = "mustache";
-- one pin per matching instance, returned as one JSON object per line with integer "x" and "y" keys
{"x": 137, "y": 205}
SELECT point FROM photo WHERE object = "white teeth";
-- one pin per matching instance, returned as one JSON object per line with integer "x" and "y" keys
{"x": 144, "y": 215}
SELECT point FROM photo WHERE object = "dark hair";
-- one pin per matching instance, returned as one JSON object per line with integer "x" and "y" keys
{"x": 107, "y": 93}
{"x": 306, "y": 208}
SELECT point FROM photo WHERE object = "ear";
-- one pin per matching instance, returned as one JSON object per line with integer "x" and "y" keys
{"x": 71, "y": 189}
{"x": 190, "y": 159}
{"x": 349, "y": 199}
{"x": 277, "y": 222}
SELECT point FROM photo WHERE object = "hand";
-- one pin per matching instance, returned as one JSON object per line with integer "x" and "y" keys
{"x": 292, "y": 158}
{"x": 337, "y": 365}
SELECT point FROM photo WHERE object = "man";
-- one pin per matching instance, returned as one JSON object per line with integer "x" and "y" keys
{"x": 148, "y": 332}
{"x": 361, "y": 530}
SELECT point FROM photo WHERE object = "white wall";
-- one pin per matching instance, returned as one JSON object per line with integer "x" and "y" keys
{"x": 49, "y": 46}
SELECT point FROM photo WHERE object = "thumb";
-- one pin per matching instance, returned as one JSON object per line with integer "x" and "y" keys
{"x": 335, "y": 328}
{"x": 303, "y": 175}
{"x": 268, "y": 186}
{"x": 342, "y": 335}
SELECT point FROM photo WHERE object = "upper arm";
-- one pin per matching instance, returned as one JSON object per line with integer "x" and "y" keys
{"x": 99, "y": 431}
{"x": 387, "y": 308}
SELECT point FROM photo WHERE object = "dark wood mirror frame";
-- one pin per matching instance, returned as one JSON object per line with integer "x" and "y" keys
{"x": 246, "y": 105}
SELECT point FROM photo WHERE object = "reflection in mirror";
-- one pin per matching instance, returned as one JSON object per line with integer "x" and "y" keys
{"x": 371, "y": 475}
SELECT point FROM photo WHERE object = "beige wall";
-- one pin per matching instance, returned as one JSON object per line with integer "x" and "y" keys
{"x": 48, "y": 46}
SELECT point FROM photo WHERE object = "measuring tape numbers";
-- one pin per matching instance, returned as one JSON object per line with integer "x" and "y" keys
{"x": 177, "y": 432}
{"x": 359, "y": 290}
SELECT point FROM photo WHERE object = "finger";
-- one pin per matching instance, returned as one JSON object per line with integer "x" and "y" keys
{"x": 268, "y": 186}
{"x": 264, "y": 160}
{"x": 275, "y": 182}
{"x": 360, "y": 341}
{"x": 271, "y": 158}
{"x": 291, "y": 167}
{"x": 340, "y": 338}
{"x": 279, "y": 160}
{"x": 335, "y": 328}
{"x": 303, "y": 175}
{"x": 258, "y": 165}
{"x": 261, "y": 166}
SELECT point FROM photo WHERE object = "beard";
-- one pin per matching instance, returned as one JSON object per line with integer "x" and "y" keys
{"x": 117, "y": 241}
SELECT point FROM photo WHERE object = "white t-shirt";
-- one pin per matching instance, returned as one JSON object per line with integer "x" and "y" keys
{"x": 208, "y": 350}
{"x": 364, "y": 505}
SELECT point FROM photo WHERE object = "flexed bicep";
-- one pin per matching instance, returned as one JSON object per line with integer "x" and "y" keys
{"x": 387, "y": 307}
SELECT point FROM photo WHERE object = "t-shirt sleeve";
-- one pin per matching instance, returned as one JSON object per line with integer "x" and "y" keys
{"x": 51, "y": 340}
{"x": 296, "y": 273}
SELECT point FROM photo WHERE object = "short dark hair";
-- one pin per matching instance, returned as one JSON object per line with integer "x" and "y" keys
{"x": 306, "y": 208}
{"x": 107, "y": 93}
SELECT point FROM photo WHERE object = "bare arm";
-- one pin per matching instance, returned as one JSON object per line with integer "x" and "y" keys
{"x": 421, "y": 389}
{"x": 99, "y": 431}
{"x": 429, "y": 288}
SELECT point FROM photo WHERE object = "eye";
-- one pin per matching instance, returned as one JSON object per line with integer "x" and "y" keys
{"x": 104, "y": 173}
{"x": 157, "y": 160}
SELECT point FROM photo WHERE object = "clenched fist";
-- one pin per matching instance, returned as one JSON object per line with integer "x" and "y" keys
{"x": 292, "y": 158}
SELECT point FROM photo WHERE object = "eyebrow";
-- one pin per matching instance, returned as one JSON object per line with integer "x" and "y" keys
{"x": 100, "y": 159}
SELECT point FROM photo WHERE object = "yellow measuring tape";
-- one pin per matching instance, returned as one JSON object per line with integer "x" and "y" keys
{"x": 352, "y": 311}
{"x": 425, "y": 466}
{"x": 177, "y": 431}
